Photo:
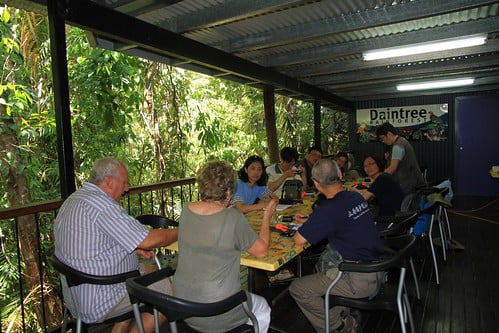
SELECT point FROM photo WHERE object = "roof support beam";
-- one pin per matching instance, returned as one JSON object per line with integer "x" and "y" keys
{"x": 353, "y": 65}
{"x": 110, "y": 24}
{"x": 486, "y": 25}
{"x": 226, "y": 12}
{"x": 61, "y": 101}
{"x": 466, "y": 64}
{"x": 386, "y": 15}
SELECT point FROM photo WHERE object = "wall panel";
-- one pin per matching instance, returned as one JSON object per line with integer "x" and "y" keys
{"x": 438, "y": 157}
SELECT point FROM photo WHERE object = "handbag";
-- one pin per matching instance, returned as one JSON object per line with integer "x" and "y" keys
{"x": 292, "y": 189}
{"x": 329, "y": 258}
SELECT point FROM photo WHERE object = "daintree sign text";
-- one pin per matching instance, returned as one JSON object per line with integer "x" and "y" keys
{"x": 420, "y": 122}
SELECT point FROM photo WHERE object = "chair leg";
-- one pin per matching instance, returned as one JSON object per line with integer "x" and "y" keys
{"x": 326, "y": 299}
{"x": 173, "y": 327}
{"x": 156, "y": 320}
{"x": 416, "y": 281}
{"x": 78, "y": 325}
{"x": 138, "y": 318}
{"x": 443, "y": 238}
{"x": 446, "y": 217}
{"x": 432, "y": 247}
{"x": 400, "y": 291}
{"x": 409, "y": 313}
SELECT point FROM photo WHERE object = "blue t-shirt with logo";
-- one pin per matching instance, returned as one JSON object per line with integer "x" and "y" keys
{"x": 348, "y": 224}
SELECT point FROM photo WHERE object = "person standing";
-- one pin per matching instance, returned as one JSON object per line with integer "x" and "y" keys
{"x": 402, "y": 164}
{"x": 344, "y": 219}
{"x": 95, "y": 235}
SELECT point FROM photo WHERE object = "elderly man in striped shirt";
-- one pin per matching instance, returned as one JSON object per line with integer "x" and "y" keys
{"x": 95, "y": 235}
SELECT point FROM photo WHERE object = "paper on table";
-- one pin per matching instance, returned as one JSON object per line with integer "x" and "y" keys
{"x": 281, "y": 207}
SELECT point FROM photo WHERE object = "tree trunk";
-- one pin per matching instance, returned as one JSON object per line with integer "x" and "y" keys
{"x": 18, "y": 194}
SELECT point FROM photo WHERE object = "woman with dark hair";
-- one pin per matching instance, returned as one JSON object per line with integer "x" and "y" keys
{"x": 211, "y": 239}
{"x": 341, "y": 159}
{"x": 385, "y": 191}
{"x": 251, "y": 191}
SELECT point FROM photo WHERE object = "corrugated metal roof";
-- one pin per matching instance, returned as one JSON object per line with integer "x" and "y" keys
{"x": 321, "y": 42}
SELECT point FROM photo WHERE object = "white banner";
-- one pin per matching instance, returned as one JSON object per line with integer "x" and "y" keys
{"x": 420, "y": 122}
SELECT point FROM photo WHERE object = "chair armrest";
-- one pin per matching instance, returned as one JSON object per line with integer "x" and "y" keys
{"x": 402, "y": 216}
{"x": 196, "y": 309}
{"x": 75, "y": 277}
{"x": 396, "y": 249}
{"x": 363, "y": 266}
{"x": 150, "y": 278}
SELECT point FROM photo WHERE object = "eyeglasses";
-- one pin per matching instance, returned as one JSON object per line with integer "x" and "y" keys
{"x": 381, "y": 138}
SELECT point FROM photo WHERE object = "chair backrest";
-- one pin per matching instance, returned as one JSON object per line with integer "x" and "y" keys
{"x": 397, "y": 251}
{"x": 157, "y": 221}
{"x": 75, "y": 277}
{"x": 175, "y": 308}
{"x": 399, "y": 225}
{"x": 292, "y": 189}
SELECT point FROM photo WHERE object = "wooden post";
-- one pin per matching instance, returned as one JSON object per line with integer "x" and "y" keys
{"x": 61, "y": 99}
{"x": 270, "y": 123}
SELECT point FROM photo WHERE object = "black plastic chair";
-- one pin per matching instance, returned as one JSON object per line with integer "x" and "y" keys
{"x": 390, "y": 297}
{"x": 176, "y": 309}
{"x": 397, "y": 226}
{"x": 74, "y": 278}
{"x": 157, "y": 222}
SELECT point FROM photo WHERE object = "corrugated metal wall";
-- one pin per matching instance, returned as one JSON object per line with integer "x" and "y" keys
{"x": 438, "y": 157}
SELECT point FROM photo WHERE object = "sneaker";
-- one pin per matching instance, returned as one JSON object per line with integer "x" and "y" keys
{"x": 284, "y": 274}
{"x": 350, "y": 325}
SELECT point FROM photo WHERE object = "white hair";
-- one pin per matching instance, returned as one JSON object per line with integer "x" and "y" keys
{"x": 107, "y": 166}
{"x": 326, "y": 172}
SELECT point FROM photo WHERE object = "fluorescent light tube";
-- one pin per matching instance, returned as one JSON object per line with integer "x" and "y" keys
{"x": 426, "y": 47}
{"x": 436, "y": 84}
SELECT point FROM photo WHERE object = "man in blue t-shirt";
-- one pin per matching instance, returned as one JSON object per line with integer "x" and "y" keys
{"x": 344, "y": 219}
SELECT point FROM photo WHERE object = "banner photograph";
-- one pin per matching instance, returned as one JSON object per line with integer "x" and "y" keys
{"x": 415, "y": 123}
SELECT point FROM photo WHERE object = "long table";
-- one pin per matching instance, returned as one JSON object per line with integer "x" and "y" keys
{"x": 282, "y": 249}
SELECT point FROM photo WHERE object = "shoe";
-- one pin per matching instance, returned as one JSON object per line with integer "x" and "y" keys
{"x": 357, "y": 315}
{"x": 350, "y": 325}
{"x": 284, "y": 274}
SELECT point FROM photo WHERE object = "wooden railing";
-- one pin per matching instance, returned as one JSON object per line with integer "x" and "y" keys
{"x": 26, "y": 244}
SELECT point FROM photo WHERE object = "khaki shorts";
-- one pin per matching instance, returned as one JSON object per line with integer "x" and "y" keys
{"x": 163, "y": 286}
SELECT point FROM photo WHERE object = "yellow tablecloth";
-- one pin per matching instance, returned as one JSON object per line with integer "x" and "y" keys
{"x": 282, "y": 249}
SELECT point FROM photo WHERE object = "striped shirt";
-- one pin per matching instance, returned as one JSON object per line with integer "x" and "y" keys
{"x": 95, "y": 235}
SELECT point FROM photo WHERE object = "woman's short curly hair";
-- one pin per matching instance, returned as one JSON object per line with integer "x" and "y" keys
{"x": 214, "y": 179}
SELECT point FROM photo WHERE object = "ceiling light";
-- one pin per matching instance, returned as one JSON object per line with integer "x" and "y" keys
{"x": 439, "y": 45}
{"x": 436, "y": 84}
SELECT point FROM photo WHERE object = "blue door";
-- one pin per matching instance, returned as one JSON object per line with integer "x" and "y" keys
{"x": 477, "y": 139}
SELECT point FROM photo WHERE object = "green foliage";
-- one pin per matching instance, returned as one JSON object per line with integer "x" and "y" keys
{"x": 162, "y": 121}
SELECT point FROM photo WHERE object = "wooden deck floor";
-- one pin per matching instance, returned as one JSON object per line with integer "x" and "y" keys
{"x": 466, "y": 301}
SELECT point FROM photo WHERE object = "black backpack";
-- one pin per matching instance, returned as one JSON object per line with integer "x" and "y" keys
{"x": 292, "y": 189}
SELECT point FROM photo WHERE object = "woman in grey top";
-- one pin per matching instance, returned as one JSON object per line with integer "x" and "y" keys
{"x": 211, "y": 239}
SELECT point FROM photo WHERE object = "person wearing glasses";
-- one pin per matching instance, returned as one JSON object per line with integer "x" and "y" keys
{"x": 384, "y": 192}
{"x": 402, "y": 162}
